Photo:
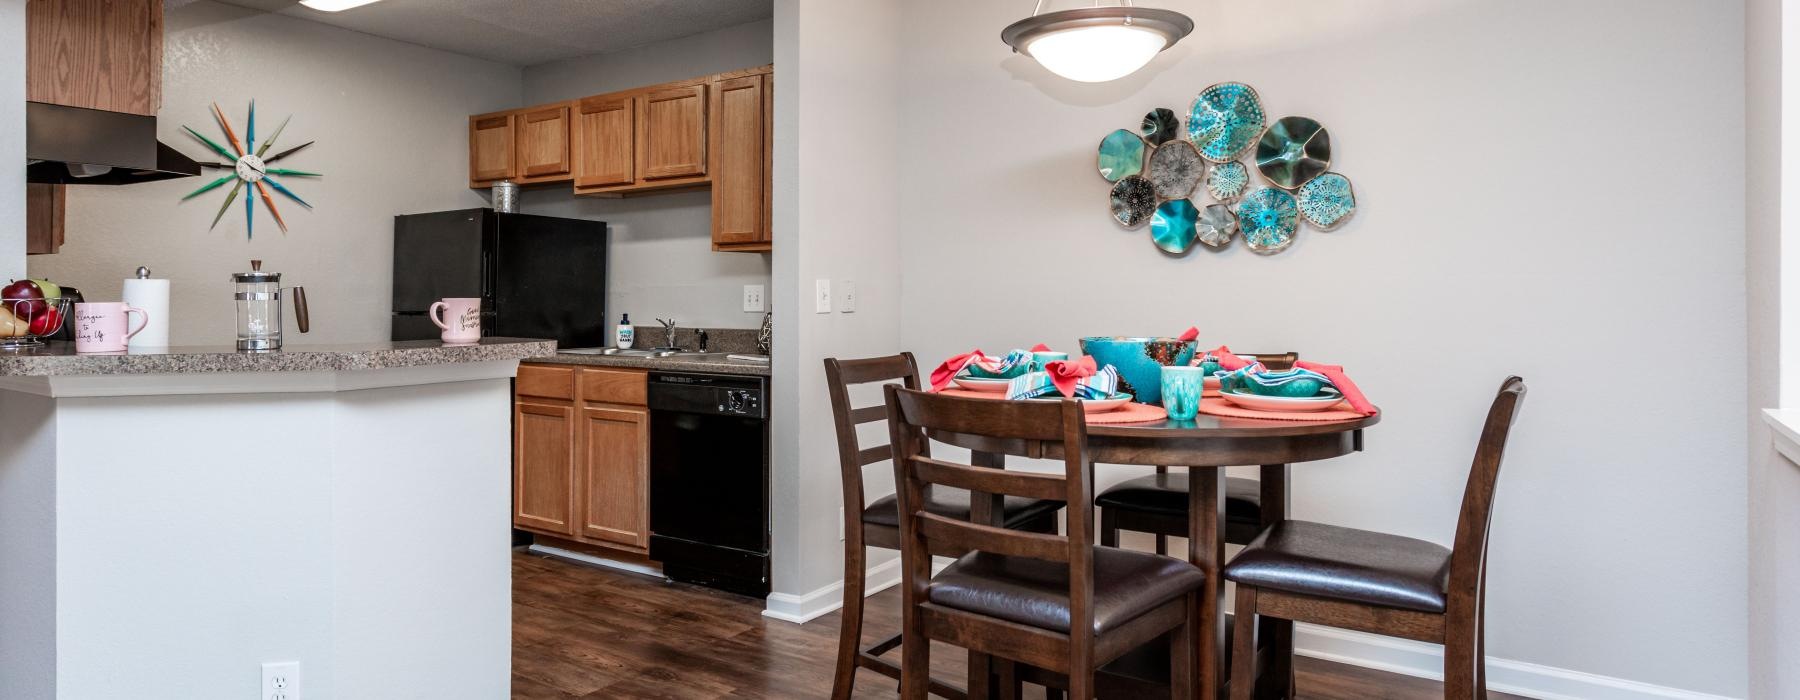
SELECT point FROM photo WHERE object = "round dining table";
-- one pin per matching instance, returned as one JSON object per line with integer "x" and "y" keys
{"x": 1203, "y": 446}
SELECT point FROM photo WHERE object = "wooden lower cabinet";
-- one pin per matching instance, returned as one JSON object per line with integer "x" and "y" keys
{"x": 581, "y": 455}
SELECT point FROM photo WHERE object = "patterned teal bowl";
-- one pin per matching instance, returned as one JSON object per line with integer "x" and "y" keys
{"x": 1018, "y": 370}
{"x": 1139, "y": 361}
{"x": 1293, "y": 384}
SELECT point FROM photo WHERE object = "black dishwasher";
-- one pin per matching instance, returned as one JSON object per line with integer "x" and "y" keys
{"x": 709, "y": 480}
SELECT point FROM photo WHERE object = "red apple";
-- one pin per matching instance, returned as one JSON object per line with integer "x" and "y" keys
{"x": 24, "y": 298}
{"x": 46, "y": 322}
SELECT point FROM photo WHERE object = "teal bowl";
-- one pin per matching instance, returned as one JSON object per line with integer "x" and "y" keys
{"x": 1020, "y": 369}
{"x": 1139, "y": 361}
{"x": 1304, "y": 387}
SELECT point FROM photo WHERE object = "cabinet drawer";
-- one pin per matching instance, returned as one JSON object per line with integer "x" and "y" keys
{"x": 546, "y": 382}
{"x": 623, "y": 386}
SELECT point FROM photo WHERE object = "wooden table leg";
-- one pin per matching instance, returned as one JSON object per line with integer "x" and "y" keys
{"x": 1277, "y": 677}
{"x": 1206, "y": 549}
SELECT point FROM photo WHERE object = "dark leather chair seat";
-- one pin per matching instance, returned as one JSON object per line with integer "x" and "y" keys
{"x": 1343, "y": 563}
{"x": 1036, "y": 592}
{"x": 954, "y": 504}
{"x": 1167, "y": 494}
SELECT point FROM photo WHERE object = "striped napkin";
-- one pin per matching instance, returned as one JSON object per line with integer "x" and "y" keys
{"x": 1101, "y": 384}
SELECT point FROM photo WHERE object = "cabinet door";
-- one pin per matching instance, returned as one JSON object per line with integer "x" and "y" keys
{"x": 738, "y": 190}
{"x": 604, "y": 132}
{"x": 672, "y": 133}
{"x": 491, "y": 148}
{"x": 615, "y": 460}
{"x": 97, "y": 54}
{"x": 543, "y": 142}
{"x": 544, "y": 467}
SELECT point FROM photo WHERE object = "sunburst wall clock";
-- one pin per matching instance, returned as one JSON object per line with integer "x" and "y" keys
{"x": 249, "y": 165}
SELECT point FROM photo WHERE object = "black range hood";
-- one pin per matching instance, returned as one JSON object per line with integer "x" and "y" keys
{"x": 76, "y": 146}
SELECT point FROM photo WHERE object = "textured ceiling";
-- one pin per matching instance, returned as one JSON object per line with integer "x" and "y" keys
{"x": 527, "y": 32}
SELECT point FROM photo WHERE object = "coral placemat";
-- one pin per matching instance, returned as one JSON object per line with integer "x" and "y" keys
{"x": 1129, "y": 413}
{"x": 1221, "y": 407}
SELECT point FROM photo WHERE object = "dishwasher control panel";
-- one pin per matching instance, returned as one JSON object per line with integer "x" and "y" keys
{"x": 715, "y": 394}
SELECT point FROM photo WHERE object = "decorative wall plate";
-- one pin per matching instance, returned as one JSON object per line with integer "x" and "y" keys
{"x": 1227, "y": 181}
{"x": 1293, "y": 151}
{"x": 1226, "y": 120}
{"x": 1121, "y": 155}
{"x": 1216, "y": 225}
{"x": 1175, "y": 168}
{"x": 1133, "y": 200}
{"x": 248, "y": 165}
{"x": 1160, "y": 126}
{"x": 1172, "y": 227}
{"x": 1326, "y": 200}
{"x": 1268, "y": 217}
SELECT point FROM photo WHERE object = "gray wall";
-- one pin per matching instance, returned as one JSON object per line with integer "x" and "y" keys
{"x": 390, "y": 121}
{"x": 661, "y": 262}
{"x": 12, "y": 138}
{"x": 1523, "y": 210}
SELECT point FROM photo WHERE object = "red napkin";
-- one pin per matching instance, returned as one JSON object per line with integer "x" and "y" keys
{"x": 1191, "y": 333}
{"x": 1040, "y": 347}
{"x": 1227, "y": 359}
{"x": 1066, "y": 375}
{"x": 941, "y": 376}
{"x": 1335, "y": 373}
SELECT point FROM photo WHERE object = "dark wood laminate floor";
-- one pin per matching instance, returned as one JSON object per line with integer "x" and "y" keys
{"x": 585, "y": 632}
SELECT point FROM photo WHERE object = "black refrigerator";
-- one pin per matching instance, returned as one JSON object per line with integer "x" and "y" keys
{"x": 537, "y": 276}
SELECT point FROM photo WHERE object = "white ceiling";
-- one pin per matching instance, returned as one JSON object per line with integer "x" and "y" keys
{"x": 528, "y": 32}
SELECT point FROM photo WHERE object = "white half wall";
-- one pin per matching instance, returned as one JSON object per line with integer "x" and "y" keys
{"x": 660, "y": 261}
{"x": 1524, "y": 210}
{"x": 12, "y": 138}
{"x": 390, "y": 121}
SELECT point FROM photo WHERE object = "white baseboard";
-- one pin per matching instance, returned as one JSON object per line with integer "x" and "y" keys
{"x": 585, "y": 558}
{"x": 1521, "y": 678}
{"x": 804, "y": 607}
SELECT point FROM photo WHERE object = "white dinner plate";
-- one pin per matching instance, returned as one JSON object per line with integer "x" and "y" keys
{"x": 1281, "y": 403}
{"x": 979, "y": 384}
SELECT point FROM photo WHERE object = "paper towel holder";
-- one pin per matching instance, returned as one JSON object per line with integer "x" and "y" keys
{"x": 143, "y": 273}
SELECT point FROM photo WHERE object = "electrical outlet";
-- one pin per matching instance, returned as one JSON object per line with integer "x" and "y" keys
{"x": 753, "y": 298}
{"x": 847, "y": 297}
{"x": 822, "y": 296}
{"x": 281, "y": 680}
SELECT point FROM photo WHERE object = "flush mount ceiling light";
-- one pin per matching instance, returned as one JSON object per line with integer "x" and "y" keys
{"x": 1096, "y": 44}
{"x": 334, "y": 5}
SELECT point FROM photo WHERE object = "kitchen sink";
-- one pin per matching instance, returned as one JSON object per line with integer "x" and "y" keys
{"x": 661, "y": 353}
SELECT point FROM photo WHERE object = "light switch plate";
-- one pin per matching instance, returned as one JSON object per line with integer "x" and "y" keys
{"x": 822, "y": 296}
{"x": 753, "y": 298}
{"x": 847, "y": 296}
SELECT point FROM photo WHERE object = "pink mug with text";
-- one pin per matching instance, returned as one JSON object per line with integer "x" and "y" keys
{"x": 105, "y": 326}
{"x": 461, "y": 320}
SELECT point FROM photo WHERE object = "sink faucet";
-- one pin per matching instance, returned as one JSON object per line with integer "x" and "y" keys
{"x": 702, "y": 333}
{"x": 668, "y": 332}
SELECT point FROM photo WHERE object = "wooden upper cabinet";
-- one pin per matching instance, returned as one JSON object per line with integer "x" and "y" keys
{"x": 97, "y": 54}
{"x": 739, "y": 162}
{"x": 543, "y": 141}
{"x": 605, "y": 135}
{"x": 672, "y": 135}
{"x": 491, "y": 154}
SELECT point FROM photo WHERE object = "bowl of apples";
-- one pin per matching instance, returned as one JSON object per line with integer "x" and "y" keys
{"x": 31, "y": 310}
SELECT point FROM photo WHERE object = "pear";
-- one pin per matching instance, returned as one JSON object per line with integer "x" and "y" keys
{"x": 10, "y": 326}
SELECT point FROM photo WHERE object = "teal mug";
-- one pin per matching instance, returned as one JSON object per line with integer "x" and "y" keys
{"x": 1043, "y": 358}
{"x": 1182, "y": 387}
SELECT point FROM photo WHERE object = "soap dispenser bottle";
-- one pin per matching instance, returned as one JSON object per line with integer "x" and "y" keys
{"x": 624, "y": 334}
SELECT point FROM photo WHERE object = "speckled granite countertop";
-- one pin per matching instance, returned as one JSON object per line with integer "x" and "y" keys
{"x": 60, "y": 359}
{"x": 713, "y": 363}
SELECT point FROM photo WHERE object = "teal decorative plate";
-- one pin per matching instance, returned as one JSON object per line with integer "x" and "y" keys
{"x": 1160, "y": 126}
{"x": 1327, "y": 201}
{"x": 1172, "y": 226}
{"x": 1175, "y": 169}
{"x": 1293, "y": 151}
{"x": 1226, "y": 120}
{"x": 1216, "y": 225}
{"x": 1121, "y": 155}
{"x": 1227, "y": 181}
{"x": 1133, "y": 200}
{"x": 1268, "y": 217}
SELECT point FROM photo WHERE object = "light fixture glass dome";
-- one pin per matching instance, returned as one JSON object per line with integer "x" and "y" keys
{"x": 1097, "y": 44}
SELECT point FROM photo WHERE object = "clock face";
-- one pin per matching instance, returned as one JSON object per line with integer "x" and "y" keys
{"x": 250, "y": 168}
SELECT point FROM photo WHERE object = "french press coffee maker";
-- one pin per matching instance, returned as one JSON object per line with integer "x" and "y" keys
{"x": 259, "y": 308}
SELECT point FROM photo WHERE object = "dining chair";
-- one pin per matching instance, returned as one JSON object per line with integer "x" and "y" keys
{"x": 1055, "y": 602}
{"x": 877, "y": 524}
{"x": 1158, "y": 503}
{"x": 1381, "y": 583}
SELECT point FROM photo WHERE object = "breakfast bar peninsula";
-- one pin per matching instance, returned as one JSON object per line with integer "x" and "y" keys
{"x": 171, "y": 521}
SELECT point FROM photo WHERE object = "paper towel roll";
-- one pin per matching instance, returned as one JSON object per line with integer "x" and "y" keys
{"x": 152, "y": 296}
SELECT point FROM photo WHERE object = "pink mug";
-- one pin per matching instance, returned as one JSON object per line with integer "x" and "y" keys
{"x": 105, "y": 326}
{"x": 461, "y": 319}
